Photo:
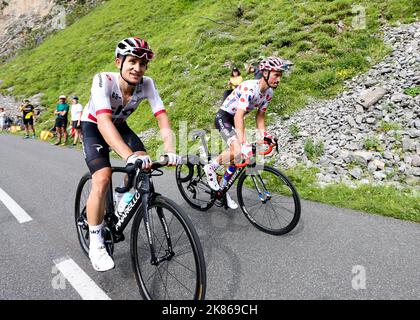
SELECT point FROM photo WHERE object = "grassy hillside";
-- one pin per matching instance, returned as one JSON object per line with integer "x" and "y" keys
{"x": 196, "y": 42}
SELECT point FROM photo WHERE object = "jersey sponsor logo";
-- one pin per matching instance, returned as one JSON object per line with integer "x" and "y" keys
{"x": 115, "y": 96}
{"x": 100, "y": 80}
{"x": 97, "y": 146}
{"x": 108, "y": 77}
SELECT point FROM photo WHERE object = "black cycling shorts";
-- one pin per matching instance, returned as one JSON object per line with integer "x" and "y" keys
{"x": 61, "y": 122}
{"x": 96, "y": 150}
{"x": 225, "y": 124}
{"x": 74, "y": 125}
{"x": 29, "y": 121}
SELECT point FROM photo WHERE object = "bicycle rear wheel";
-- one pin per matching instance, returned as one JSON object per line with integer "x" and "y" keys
{"x": 192, "y": 183}
{"x": 181, "y": 274}
{"x": 269, "y": 200}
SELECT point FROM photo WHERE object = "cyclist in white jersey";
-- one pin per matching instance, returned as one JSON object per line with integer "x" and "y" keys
{"x": 249, "y": 95}
{"x": 114, "y": 97}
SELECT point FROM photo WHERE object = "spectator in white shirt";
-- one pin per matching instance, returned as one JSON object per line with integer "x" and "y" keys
{"x": 76, "y": 114}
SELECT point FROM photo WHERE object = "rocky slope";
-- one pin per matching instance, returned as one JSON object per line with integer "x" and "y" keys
{"x": 28, "y": 22}
{"x": 361, "y": 141}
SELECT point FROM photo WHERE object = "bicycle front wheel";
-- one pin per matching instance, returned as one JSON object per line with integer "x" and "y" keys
{"x": 269, "y": 200}
{"x": 180, "y": 273}
{"x": 82, "y": 227}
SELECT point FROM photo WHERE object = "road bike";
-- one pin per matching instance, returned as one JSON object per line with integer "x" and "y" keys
{"x": 266, "y": 195}
{"x": 166, "y": 253}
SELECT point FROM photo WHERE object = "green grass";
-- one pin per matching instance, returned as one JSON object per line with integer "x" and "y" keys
{"x": 191, "y": 50}
{"x": 412, "y": 91}
{"x": 294, "y": 131}
{"x": 387, "y": 126}
{"x": 384, "y": 200}
{"x": 313, "y": 150}
{"x": 373, "y": 144}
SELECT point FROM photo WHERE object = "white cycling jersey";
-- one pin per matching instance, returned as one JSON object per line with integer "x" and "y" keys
{"x": 247, "y": 96}
{"x": 106, "y": 97}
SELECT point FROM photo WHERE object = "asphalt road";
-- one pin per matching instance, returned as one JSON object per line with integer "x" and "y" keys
{"x": 333, "y": 253}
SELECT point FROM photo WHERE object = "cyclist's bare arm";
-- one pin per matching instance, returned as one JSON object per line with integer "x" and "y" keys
{"x": 240, "y": 125}
{"x": 260, "y": 121}
{"x": 166, "y": 132}
{"x": 112, "y": 136}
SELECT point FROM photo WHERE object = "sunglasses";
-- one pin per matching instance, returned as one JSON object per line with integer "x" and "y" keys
{"x": 142, "y": 53}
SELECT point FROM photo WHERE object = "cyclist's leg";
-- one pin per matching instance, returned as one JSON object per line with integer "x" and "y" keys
{"x": 225, "y": 124}
{"x": 133, "y": 141}
{"x": 96, "y": 153}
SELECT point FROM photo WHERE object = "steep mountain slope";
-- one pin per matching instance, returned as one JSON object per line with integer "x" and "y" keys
{"x": 198, "y": 41}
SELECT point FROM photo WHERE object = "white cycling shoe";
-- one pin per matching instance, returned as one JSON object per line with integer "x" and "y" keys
{"x": 230, "y": 203}
{"x": 211, "y": 177}
{"x": 101, "y": 261}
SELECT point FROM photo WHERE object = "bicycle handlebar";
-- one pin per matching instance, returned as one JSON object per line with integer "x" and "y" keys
{"x": 268, "y": 151}
{"x": 131, "y": 172}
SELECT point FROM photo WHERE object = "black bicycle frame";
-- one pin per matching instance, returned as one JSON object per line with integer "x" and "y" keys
{"x": 144, "y": 191}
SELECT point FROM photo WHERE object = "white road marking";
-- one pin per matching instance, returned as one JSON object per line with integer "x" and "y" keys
{"x": 14, "y": 208}
{"x": 79, "y": 280}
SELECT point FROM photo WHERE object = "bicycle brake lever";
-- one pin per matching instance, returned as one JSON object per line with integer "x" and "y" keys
{"x": 131, "y": 173}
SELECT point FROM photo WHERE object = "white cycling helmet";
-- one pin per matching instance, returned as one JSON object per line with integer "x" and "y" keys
{"x": 62, "y": 97}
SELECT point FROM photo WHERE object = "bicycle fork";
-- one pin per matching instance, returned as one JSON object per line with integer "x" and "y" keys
{"x": 263, "y": 195}
{"x": 169, "y": 253}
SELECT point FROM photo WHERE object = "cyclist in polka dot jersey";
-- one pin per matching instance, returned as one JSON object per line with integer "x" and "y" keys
{"x": 250, "y": 95}
{"x": 247, "y": 97}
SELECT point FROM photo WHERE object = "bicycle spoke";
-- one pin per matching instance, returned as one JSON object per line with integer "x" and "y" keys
{"x": 160, "y": 275}
{"x": 276, "y": 215}
{"x": 181, "y": 253}
{"x": 176, "y": 279}
{"x": 175, "y": 260}
{"x": 280, "y": 206}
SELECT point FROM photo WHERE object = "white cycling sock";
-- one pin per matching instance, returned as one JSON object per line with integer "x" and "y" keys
{"x": 214, "y": 165}
{"x": 95, "y": 235}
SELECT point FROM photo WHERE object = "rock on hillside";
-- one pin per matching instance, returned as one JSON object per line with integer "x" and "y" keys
{"x": 24, "y": 21}
{"x": 371, "y": 132}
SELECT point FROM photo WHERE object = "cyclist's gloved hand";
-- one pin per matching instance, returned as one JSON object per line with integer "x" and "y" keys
{"x": 173, "y": 159}
{"x": 146, "y": 161}
{"x": 269, "y": 138}
{"x": 246, "y": 151}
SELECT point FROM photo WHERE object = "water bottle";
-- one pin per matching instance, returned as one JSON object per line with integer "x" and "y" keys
{"x": 127, "y": 197}
{"x": 226, "y": 177}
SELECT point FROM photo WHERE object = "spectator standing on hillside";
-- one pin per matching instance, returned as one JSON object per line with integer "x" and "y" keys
{"x": 28, "y": 117}
{"x": 234, "y": 81}
{"x": 61, "y": 111}
{"x": 76, "y": 115}
{"x": 253, "y": 68}
{"x": 2, "y": 119}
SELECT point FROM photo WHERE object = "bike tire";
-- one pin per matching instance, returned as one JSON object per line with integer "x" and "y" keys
{"x": 282, "y": 188}
{"x": 82, "y": 226}
{"x": 190, "y": 183}
{"x": 149, "y": 285}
